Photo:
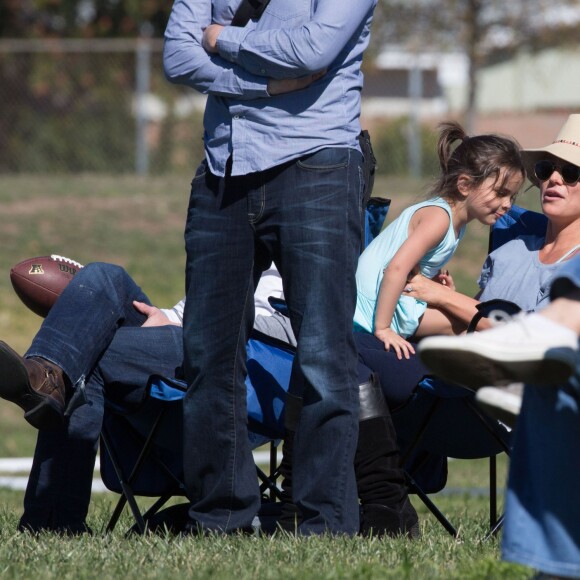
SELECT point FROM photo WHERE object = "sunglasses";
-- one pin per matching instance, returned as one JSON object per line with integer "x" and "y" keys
{"x": 544, "y": 169}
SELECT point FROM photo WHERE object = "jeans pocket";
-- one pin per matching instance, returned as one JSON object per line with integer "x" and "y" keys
{"x": 324, "y": 160}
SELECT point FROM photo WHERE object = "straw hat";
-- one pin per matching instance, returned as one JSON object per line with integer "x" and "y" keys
{"x": 565, "y": 147}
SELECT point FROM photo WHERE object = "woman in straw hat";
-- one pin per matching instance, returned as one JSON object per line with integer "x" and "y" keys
{"x": 542, "y": 525}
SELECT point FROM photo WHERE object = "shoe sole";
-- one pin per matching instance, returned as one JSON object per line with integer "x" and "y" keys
{"x": 504, "y": 408}
{"x": 476, "y": 369}
{"x": 41, "y": 412}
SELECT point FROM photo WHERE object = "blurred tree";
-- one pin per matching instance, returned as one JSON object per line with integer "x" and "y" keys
{"x": 83, "y": 18}
{"x": 485, "y": 30}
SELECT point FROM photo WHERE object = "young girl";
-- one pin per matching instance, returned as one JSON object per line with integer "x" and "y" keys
{"x": 479, "y": 179}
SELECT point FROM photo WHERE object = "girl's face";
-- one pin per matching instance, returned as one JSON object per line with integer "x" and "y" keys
{"x": 560, "y": 200}
{"x": 494, "y": 197}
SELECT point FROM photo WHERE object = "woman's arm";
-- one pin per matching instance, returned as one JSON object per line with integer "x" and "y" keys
{"x": 454, "y": 306}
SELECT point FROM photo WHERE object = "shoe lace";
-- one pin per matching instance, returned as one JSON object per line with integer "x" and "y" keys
{"x": 50, "y": 381}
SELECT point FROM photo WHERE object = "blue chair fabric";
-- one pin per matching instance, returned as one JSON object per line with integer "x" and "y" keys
{"x": 142, "y": 449}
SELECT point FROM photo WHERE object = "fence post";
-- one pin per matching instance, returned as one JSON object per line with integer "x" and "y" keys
{"x": 415, "y": 95}
{"x": 142, "y": 85}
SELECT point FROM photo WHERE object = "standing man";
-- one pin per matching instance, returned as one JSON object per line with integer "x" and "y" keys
{"x": 281, "y": 181}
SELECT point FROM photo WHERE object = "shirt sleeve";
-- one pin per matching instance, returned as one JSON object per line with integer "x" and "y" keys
{"x": 175, "y": 314}
{"x": 298, "y": 51}
{"x": 186, "y": 62}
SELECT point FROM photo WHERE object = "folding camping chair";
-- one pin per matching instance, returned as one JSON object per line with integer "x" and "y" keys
{"x": 142, "y": 448}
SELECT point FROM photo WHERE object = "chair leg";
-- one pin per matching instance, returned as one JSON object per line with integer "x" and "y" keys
{"x": 127, "y": 492}
{"x": 492, "y": 491}
{"x": 269, "y": 485}
{"x": 495, "y": 523}
{"x": 147, "y": 515}
{"x": 290, "y": 518}
{"x": 432, "y": 507}
{"x": 495, "y": 529}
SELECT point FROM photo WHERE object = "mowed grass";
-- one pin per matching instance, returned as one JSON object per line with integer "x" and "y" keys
{"x": 138, "y": 223}
{"x": 436, "y": 555}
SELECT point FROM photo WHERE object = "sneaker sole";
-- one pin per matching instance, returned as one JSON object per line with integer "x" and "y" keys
{"x": 475, "y": 370}
{"x": 505, "y": 408}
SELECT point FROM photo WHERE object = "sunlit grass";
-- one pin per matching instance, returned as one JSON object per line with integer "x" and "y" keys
{"x": 138, "y": 223}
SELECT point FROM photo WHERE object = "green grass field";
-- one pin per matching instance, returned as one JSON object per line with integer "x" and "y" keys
{"x": 436, "y": 555}
{"x": 138, "y": 223}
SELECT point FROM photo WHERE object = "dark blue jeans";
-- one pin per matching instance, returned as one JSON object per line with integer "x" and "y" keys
{"x": 305, "y": 216}
{"x": 94, "y": 333}
{"x": 398, "y": 378}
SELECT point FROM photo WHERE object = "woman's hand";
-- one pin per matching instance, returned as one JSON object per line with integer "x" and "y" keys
{"x": 445, "y": 278}
{"x": 431, "y": 291}
{"x": 155, "y": 317}
{"x": 393, "y": 340}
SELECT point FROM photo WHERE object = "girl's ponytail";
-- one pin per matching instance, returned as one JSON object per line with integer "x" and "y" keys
{"x": 477, "y": 157}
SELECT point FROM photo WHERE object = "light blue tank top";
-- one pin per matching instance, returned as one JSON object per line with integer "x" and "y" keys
{"x": 377, "y": 257}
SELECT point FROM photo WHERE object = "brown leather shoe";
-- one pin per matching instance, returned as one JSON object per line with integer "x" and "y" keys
{"x": 34, "y": 384}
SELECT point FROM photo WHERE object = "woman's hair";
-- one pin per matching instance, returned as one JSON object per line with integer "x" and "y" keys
{"x": 478, "y": 157}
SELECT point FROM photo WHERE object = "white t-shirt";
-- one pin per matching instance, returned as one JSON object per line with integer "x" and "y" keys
{"x": 270, "y": 285}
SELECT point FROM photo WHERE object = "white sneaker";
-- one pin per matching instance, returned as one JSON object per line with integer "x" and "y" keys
{"x": 528, "y": 349}
{"x": 502, "y": 403}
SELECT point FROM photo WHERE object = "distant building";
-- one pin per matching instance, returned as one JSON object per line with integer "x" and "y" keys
{"x": 403, "y": 83}
{"x": 548, "y": 80}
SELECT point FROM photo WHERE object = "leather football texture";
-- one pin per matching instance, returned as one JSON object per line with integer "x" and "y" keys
{"x": 39, "y": 282}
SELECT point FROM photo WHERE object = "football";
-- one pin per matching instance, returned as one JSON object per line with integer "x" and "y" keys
{"x": 38, "y": 282}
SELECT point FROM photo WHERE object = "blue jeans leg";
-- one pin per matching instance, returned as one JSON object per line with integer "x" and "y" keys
{"x": 542, "y": 525}
{"x": 59, "y": 488}
{"x": 308, "y": 215}
{"x": 398, "y": 378}
{"x": 219, "y": 471}
{"x": 94, "y": 332}
{"x": 82, "y": 323}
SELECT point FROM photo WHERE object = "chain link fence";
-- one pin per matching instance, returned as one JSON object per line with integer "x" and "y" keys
{"x": 72, "y": 106}
{"x": 94, "y": 106}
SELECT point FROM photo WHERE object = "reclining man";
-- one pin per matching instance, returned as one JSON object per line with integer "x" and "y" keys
{"x": 101, "y": 341}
